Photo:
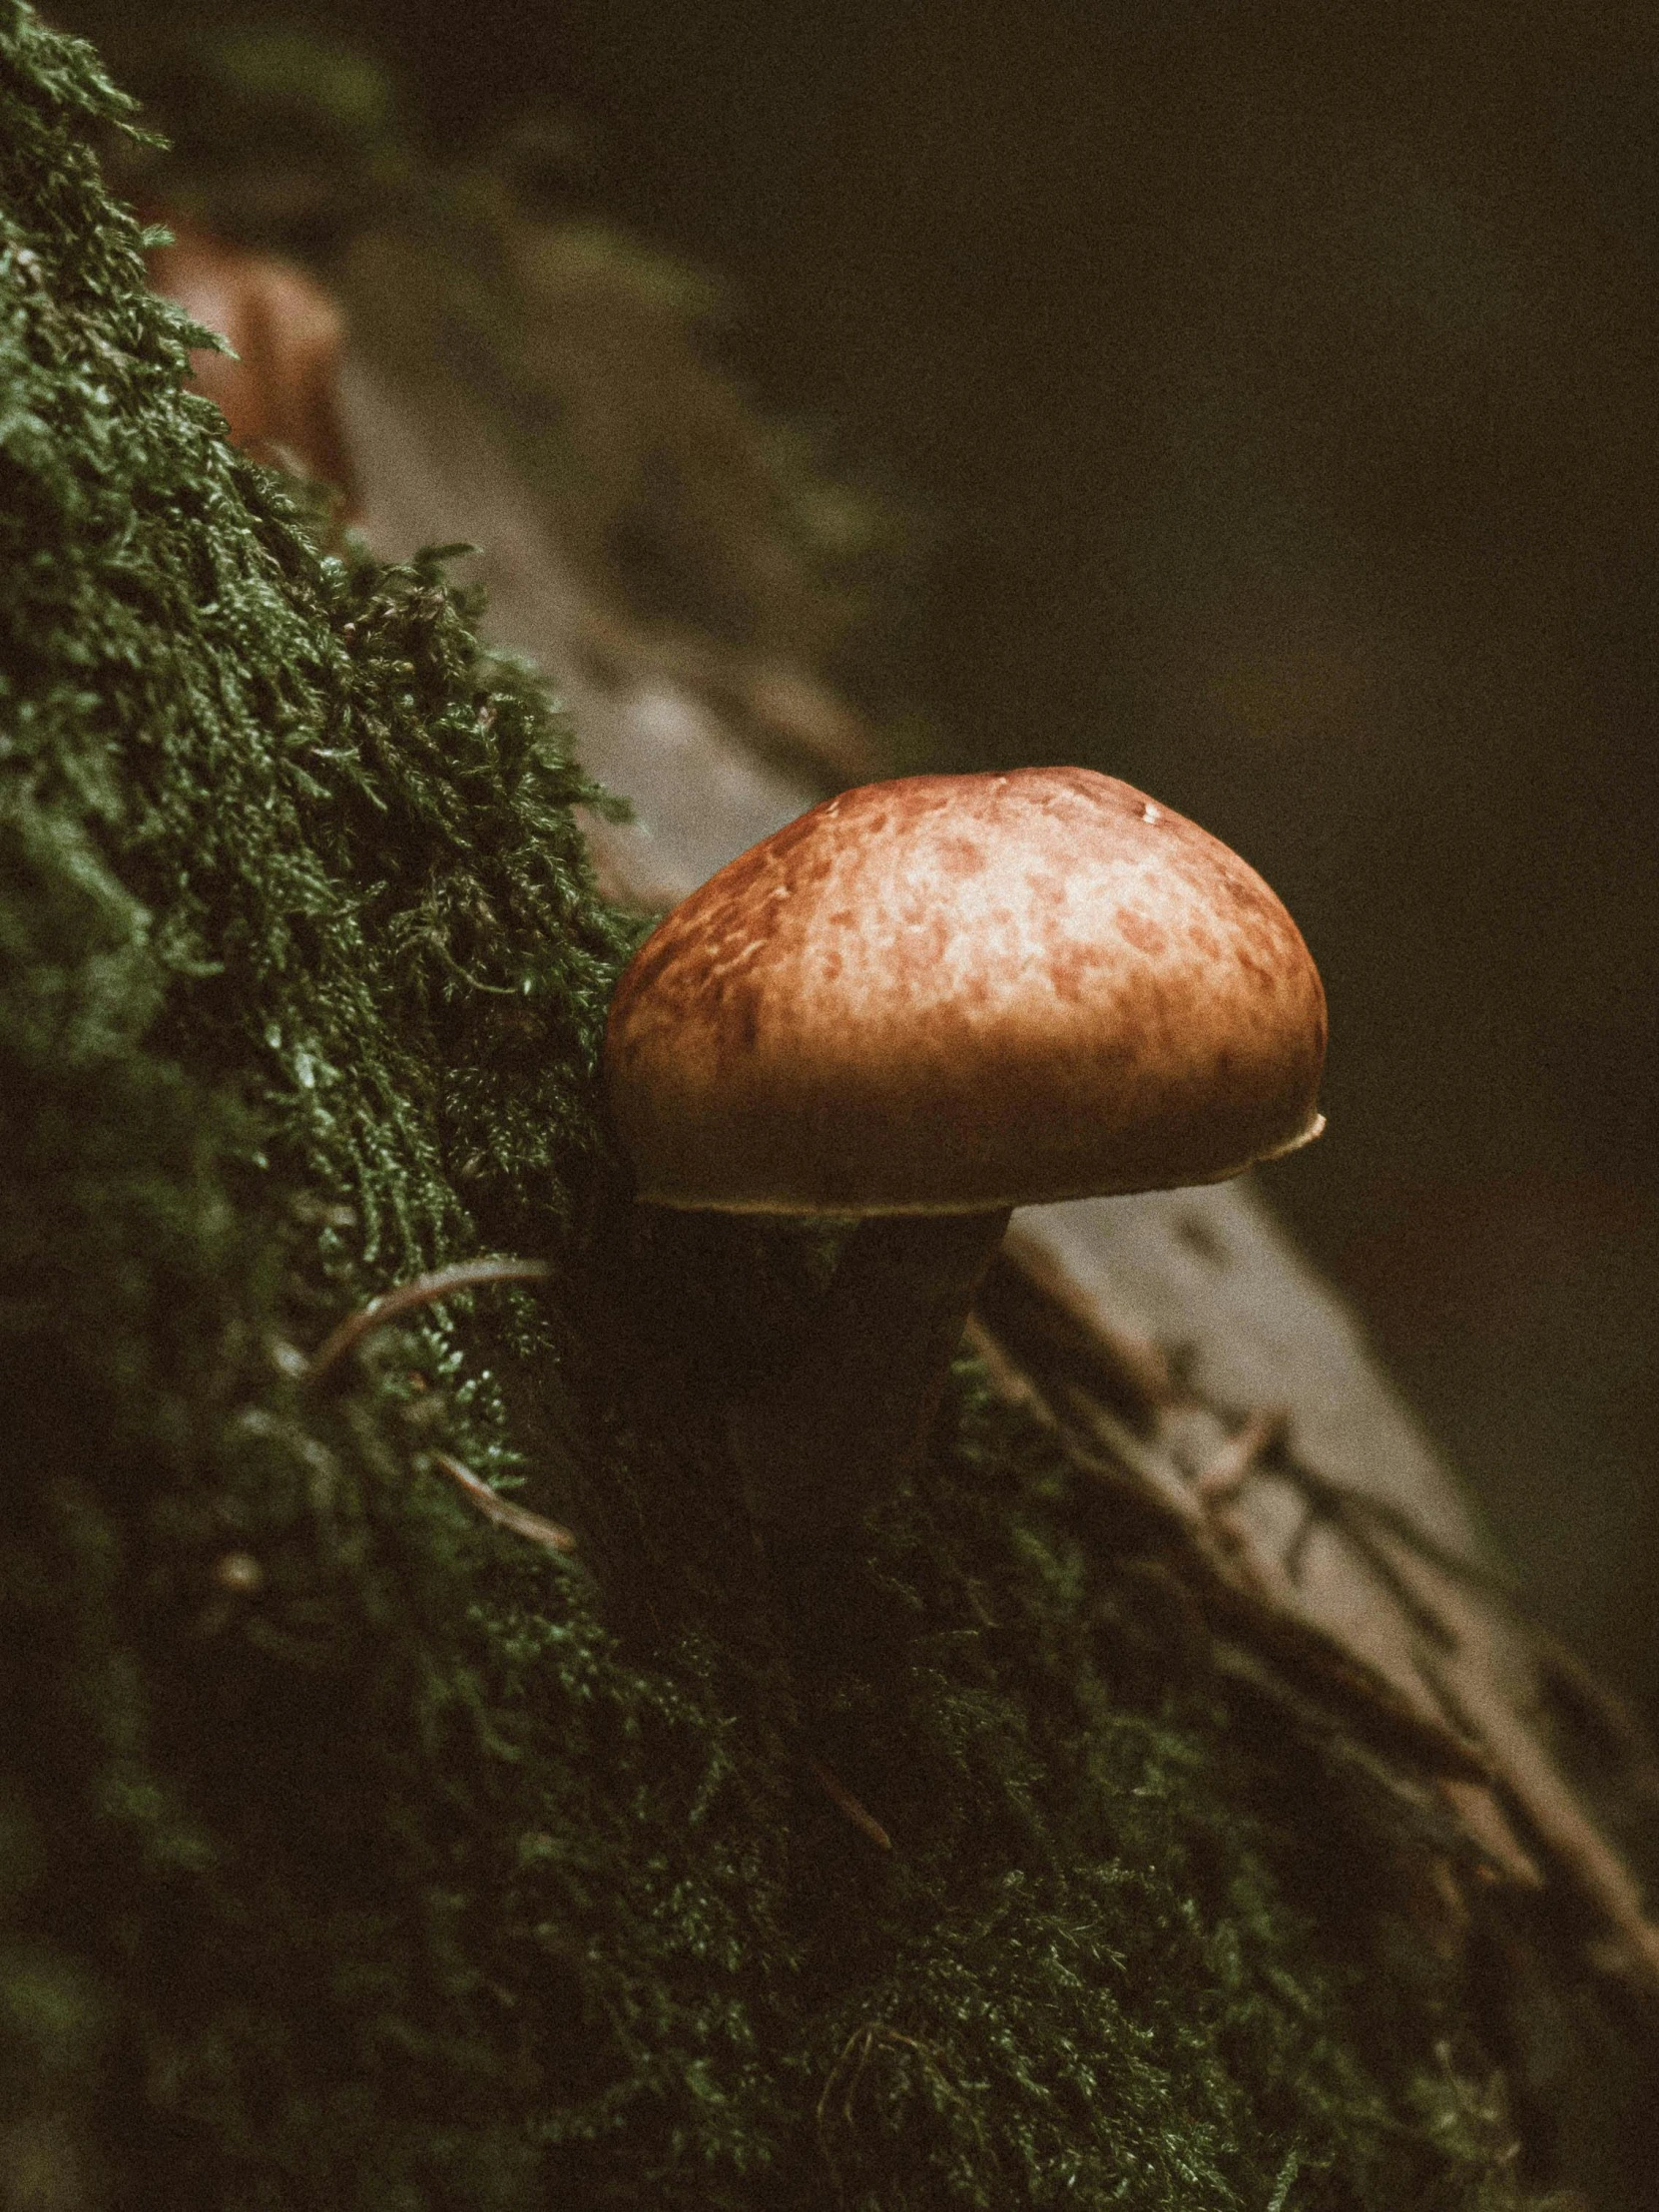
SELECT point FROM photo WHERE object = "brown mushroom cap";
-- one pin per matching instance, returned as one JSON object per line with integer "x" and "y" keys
{"x": 950, "y": 993}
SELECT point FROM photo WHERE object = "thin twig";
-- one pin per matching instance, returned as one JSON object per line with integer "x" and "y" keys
{"x": 1030, "y": 1300}
{"x": 1009, "y": 1383}
{"x": 1369, "y": 1702}
{"x": 1420, "y": 1610}
{"x": 408, "y": 1298}
{"x": 1483, "y": 1754}
{"x": 1228, "y": 1470}
{"x": 1482, "y": 1819}
{"x": 1350, "y": 1510}
{"x": 1620, "y": 1725}
{"x": 1241, "y": 1596}
{"x": 1273, "y": 1624}
{"x": 837, "y": 1791}
{"x": 1065, "y": 1326}
{"x": 502, "y": 1511}
{"x": 1342, "y": 1503}
{"x": 1160, "y": 1475}
{"x": 1296, "y": 1551}
{"x": 1546, "y": 1804}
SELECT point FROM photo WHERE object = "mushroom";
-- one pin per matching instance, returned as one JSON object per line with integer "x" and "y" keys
{"x": 923, "y": 1003}
{"x": 278, "y": 389}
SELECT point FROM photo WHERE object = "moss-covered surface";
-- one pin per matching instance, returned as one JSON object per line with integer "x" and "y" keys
{"x": 355, "y": 1853}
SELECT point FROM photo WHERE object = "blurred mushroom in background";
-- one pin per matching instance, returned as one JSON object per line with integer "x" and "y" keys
{"x": 277, "y": 386}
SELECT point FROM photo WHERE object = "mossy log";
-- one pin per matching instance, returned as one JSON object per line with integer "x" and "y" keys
{"x": 357, "y": 1849}
{"x": 1387, "y": 1567}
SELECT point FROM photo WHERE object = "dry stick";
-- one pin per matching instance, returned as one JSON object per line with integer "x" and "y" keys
{"x": 1346, "y": 1506}
{"x": 1258, "y": 1614}
{"x": 1296, "y": 1551}
{"x": 1217, "y": 1487}
{"x": 1025, "y": 1296}
{"x": 1254, "y": 1597}
{"x": 1028, "y": 1297}
{"x": 1521, "y": 1770}
{"x": 1560, "y": 1666}
{"x": 1369, "y": 1702}
{"x": 1540, "y": 1794}
{"x": 1216, "y": 1534}
{"x": 837, "y": 1791}
{"x": 408, "y": 1298}
{"x": 1350, "y": 1510}
{"x": 1620, "y": 1724}
{"x": 1009, "y": 1383}
{"x": 1160, "y": 1475}
{"x": 1419, "y": 1609}
{"x": 1483, "y": 1819}
{"x": 1547, "y": 1805}
{"x": 502, "y": 1511}
{"x": 1227, "y": 1472}
{"x": 1368, "y": 1699}
{"x": 1231, "y": 1468}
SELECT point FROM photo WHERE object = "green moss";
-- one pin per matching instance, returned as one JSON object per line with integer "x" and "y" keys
{"x": 355, "y": 1853}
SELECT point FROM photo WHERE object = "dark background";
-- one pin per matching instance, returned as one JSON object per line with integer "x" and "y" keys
{"x": 1278, "y": 385}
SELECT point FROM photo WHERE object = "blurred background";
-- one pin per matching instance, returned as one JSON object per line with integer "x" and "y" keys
{"x": 1260, "y": 404}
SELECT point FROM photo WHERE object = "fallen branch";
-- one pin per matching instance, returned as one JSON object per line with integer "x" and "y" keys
{"x": 1545, "y": 1803}
{"x": 1027, "y": 1302}
{"x": 1241, "y": 1596}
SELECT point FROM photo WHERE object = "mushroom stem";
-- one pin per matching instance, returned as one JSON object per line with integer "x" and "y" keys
{"x": 843, "y": 1419}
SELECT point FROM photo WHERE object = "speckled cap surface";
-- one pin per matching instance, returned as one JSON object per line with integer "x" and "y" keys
{"x": 953, "y": 992}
